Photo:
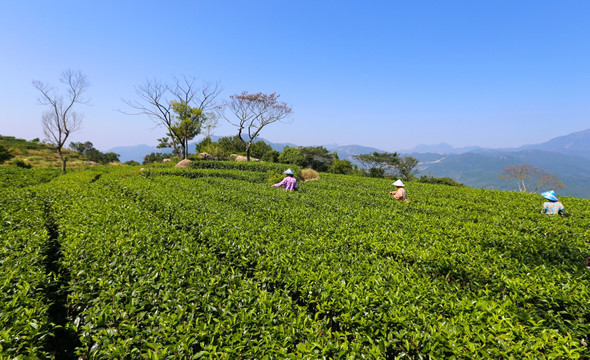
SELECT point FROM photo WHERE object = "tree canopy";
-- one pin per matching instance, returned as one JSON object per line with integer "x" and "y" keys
{"x": 529, "y": 178}
{"x": 377, "y": 163}
{"x": 178, "y": 107}
{"x": 317, "y": 157}
{"x": 186, "y": 124}
{"x": 253, "y": 112}
{"x": 90, "y": 153}
{"x": 406, "y": 167}
{"x": 5, "y": 154}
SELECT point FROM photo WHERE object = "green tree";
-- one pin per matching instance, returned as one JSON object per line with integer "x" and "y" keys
{"x": 378, "y": 163}
{"x": 110, "y": 157}
{"x": 232, "y": 144}
{"x": 99, "y": 157}
{"x": 344, "y": 167}
{"x": 271, "y": 156}
{"x": 186, "y": 124}
{"x": 155, "y": 157}
{"x": 429, "y": 179}
{"x": 376, "y": 172}
{"x": 291, "y": 155}
{"x": 254, "y": 112}
{"x": 213, "y": 149}
{"x": 81, "y": 147}
{"x": 406, "y": 167}
{"x": 259, "y": 148}
{"x": 93, "y": 155}
{"x": 5, "y": 154}
{"x": 168, "y": 142}
{"x": 87, "y": 150}
{"x": 201, "y": 145}
{"x": 317, "y": 157}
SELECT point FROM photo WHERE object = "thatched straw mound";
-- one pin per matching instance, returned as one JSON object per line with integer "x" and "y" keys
{"x": 241, "y": 158}
{"x": 309, "y": 174}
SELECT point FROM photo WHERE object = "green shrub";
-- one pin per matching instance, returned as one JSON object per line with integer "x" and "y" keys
{"x": 22, "y": 164}
{"x": 4, "y": 154}
{"x": 427, "y": 179}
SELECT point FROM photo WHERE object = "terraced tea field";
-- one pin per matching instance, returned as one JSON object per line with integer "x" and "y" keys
{"x": 211, "y": 262}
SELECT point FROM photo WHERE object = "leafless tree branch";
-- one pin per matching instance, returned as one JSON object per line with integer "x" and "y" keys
{"x": 60, "y": 121}
{"x": 255, "y": 111}
{"x": 156, "y": 98}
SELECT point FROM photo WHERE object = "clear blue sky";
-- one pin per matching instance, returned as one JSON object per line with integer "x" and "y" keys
{"x": 388, "y": 74}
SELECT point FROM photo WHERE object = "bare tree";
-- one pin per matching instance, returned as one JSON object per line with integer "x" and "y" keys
{"x": 60, "y": 120}
{"x": 157, "y": 99}
{"x": 254, "y": 112}
{"x": 529, "y": 178}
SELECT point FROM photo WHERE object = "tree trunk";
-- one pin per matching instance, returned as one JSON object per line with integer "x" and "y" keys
{"x": 248, "y": 150}
{"x": 63, "y": 161}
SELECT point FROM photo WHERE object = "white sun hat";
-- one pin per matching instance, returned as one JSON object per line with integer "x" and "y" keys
{"x": 399, "y": 183}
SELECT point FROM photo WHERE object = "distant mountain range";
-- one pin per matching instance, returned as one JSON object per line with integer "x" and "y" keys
{"x": 481, "y": 169}
{"x": 567, "y": 156}
{"x": 576, "y": 144}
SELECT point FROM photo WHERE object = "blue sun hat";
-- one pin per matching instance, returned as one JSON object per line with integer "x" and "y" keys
{"x": 550, "y": 195}
{"x": 289, "y": 172}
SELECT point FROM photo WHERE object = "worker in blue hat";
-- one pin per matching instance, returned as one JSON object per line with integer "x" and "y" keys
{"x": 289, "y": 182}
{"x": 552, "y": 205}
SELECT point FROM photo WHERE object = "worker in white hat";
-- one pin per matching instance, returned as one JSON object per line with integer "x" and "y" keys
{"x": 400, "y": 193}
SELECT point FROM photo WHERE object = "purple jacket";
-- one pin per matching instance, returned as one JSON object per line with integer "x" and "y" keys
{"x": 289, "y": 183}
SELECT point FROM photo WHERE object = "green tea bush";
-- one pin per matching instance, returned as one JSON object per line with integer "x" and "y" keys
{"x": 18, "y": 177}
{"x": 245, "y": 166}
{"x": 210, "y": 262}
{"x": 25, "y": 324}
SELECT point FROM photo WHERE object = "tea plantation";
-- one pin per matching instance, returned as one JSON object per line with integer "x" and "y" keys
{"x": 212, "y": 263}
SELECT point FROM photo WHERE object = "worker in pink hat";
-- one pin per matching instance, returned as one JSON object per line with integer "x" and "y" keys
{"x": 552, "y": 205}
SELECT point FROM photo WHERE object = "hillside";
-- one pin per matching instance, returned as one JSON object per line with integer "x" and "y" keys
{"x": 37, "y": 154}
{"x": 212, "y": 262}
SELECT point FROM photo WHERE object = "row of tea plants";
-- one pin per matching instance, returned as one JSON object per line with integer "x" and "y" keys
{"x": 211, "y": 262}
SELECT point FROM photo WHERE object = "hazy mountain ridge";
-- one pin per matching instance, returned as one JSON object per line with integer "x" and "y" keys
{"x": 577, "y": 144}
{"x": 439, "y": 148}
